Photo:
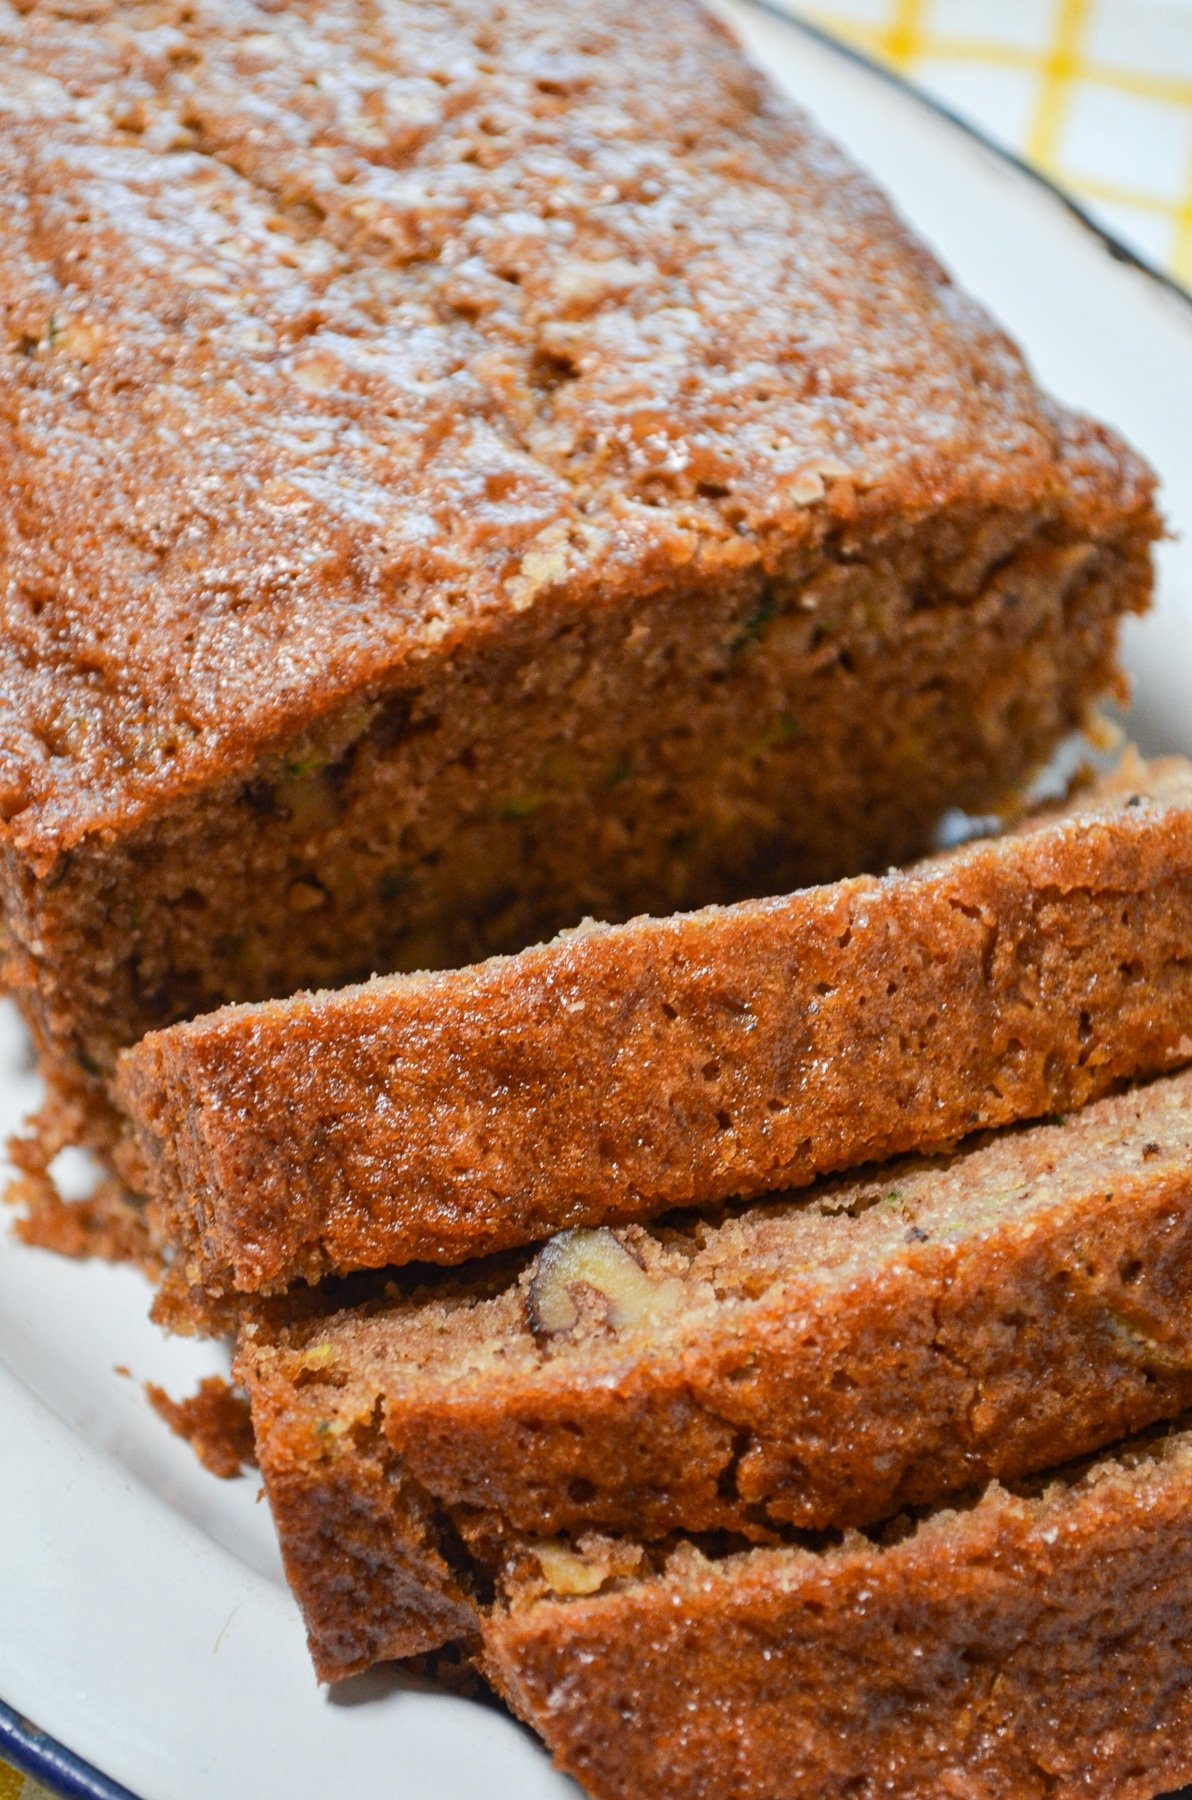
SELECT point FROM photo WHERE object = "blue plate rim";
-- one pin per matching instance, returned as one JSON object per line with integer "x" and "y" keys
{"x": 48, "y": 1760}
{"x": 51, "y": 1763}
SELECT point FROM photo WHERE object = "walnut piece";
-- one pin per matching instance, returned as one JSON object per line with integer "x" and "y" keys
{"x": 566, "y": 1572}
{"x": 576, "y": 1265}
{"x": 570, "y": 1570}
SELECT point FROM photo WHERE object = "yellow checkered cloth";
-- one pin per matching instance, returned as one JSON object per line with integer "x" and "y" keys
{"x": 14, "y": 1786}
{"x": 1098, "y": 93}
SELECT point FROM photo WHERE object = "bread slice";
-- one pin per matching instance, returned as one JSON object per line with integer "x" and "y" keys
{"x": 464, "y": 468}
{"x": 807, "y": 1364}
{"x": 626, "y": 1070}
{"x": 1034, "y": 1645}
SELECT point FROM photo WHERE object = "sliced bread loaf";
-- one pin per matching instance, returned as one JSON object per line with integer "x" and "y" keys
{"x": 811, "y": 1363}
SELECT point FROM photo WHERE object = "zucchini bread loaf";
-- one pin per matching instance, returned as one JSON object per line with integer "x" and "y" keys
{"x": 804, "y": 1365}
{"x": 672, "y": 1062}
{"x": 466, "y": 468}
{"x": 1033, "y": 1647}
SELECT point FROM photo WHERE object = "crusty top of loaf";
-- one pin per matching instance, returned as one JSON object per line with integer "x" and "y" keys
{"x": 336, "y": 334}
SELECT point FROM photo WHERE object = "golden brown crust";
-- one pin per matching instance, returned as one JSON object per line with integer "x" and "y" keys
{"x": 1029, "y": 1647}
{"x": 810, "y": 1365}
{"x": 620, "y": 1072}
{"x": 636, "y": 315}
{"x": 458, "y": 474}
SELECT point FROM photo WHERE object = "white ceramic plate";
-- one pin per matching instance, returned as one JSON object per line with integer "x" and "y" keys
{"x": 143, "y": 1618}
